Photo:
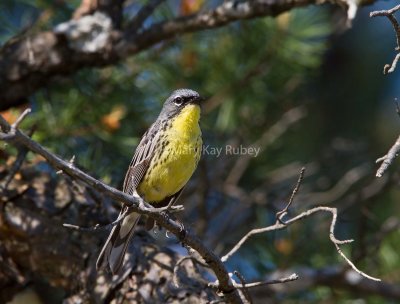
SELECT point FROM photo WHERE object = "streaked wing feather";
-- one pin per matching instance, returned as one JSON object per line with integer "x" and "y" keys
{"x": 134, "y": 176}
{"x": 141, "y": 159}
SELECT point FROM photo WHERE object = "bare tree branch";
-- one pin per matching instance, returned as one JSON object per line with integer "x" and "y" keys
{"x": 388, "y": 158}
{"x": 290, "y": 278}
{"x": 284, "y": 211}
{"x": 305, "y": 214}
{"x": 55, "y": 53}
{"x": 14, "y": 136}
{"x": 389, "y": 68}
{"x": 22, "y": 152}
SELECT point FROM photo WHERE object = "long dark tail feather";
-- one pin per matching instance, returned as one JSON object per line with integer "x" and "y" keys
{"x": 114, "y": 249}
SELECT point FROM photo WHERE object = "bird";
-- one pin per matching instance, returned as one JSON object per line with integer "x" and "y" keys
{"x": 164, "y": 161}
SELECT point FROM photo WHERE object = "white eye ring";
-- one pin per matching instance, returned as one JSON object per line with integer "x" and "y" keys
{"x": 178, "y": 100}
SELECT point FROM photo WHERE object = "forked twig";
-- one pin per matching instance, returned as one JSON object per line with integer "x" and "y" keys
{"x": 303, "y": 215}
{"x": 389, "y": 68}
{"x": 16, "y": 124}
{"x": 243, "y": 287}
{"x": 279, "y": 225}
{"x": 22, "y": 152}
{"x": 284, "y": 211}
{"x": 388, "y": 158}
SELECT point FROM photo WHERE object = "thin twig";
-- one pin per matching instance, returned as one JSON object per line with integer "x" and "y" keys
{"x": 388, "y": 158}
{"x": 71, "y": 162}
{"x": 292, "y": 277}
{"x": 16, "y": 124}
{"x": 390, "y": 15}
{"x": 305, "y": 214}
{"x": 389, "y": 68}
{"x": 243, "y": 287}
{"x": 170, "y": 205}
{"x": 22, "y": 152}
{"x": 98, "y": 227}
{"x": 385, "y": 12}
{"x": 284, "y": 211}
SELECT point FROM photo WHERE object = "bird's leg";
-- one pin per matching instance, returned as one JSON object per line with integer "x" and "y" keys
{"x": 169, "y": 216}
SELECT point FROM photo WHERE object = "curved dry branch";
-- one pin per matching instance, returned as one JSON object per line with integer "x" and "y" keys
{"x": 279, "y": 226}
{"x": 12, "y": 135}
{"x": 389, "y": 68}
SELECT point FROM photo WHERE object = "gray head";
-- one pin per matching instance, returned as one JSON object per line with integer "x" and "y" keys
{"x": 178, "y": 100}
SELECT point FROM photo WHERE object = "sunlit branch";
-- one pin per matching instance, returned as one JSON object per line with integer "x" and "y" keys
{"x": 12, "y": 135}
{"x": 389, "y": 68}
{"x": 388, "y": 158}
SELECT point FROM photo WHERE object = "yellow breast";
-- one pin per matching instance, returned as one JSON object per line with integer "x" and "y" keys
{"x": 172, "y": 166}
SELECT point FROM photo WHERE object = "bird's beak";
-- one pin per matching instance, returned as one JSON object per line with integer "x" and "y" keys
{"x": 197, "y": 100}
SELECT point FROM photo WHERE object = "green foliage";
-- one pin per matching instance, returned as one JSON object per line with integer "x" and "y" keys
{"x": 256, "y": 55}
{"x": 253, "y": 71}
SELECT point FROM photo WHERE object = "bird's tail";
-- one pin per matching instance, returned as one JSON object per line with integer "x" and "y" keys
{"x": 114, "y": 249}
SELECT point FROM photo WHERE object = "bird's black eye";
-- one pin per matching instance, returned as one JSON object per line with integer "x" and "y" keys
{"x": 178, "y": 100}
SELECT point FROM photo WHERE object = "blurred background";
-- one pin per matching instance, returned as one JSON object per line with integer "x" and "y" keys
{"x": 304, "y": 88}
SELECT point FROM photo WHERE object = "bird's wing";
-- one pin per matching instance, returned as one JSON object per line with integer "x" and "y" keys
{"x": 117, "y": 243}
{"x": 141, "y": 159}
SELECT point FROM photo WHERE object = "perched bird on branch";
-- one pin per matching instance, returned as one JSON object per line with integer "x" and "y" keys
{"x": 163, "y": 163}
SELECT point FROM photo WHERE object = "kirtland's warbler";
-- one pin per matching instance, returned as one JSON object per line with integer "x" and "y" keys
{"x": 163, "y": 163}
